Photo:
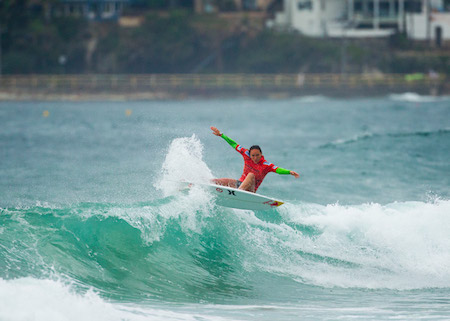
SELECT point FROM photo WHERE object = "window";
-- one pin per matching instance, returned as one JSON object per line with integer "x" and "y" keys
{"x": 249, "y": 5}
{"x": 414, "y": 6}
{"x": 305, "y": 5}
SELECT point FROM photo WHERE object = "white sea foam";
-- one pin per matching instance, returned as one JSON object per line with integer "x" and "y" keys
{"x": 33, "y": 299}
{"x": 355, "y": 138}
{"x": 49, "y": 300}
{"x": 311, "y": 99}
{"x": 416, "y": 98}
{"x": 397, "y": 246}
{"x": 183, "y": 162}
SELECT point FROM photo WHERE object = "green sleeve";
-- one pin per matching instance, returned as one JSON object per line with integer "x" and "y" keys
{"x": 229, "y": 141}
{"x": 282, "y": 171}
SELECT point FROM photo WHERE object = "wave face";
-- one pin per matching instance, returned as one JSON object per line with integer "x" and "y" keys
{"x": 186, "y": 248}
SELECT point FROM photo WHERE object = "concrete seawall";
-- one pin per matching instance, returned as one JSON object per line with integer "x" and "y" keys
{"x": 178, "y": 86}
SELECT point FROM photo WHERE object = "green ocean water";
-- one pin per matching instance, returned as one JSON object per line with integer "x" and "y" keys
{"x": 93, "y": 225}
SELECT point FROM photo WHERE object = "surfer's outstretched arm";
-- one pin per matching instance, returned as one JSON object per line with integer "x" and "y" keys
{"x": 227, "y": 139}
{"x": 283, "y": 171}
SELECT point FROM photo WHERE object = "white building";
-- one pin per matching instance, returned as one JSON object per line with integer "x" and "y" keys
{"x": 90, "y": 9}
{"x": 421, "y": 19}
{"x": 432, "y": 23}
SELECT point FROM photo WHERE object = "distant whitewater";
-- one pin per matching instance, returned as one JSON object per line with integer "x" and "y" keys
{"x": 416, "y": 98}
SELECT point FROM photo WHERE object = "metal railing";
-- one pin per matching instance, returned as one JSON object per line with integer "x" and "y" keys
{"x": 155, "y": 82}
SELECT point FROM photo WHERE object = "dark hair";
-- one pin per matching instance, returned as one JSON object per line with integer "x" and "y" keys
{"x": 255, "y": 147}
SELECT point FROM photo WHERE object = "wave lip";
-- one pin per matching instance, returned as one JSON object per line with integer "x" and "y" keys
{"x": 53, "y": 300}
{"x": 34, "y": 299}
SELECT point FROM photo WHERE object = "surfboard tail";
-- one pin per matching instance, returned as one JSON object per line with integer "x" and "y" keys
{"x": 274, "y": 203}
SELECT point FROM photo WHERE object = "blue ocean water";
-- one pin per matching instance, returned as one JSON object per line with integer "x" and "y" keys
{"x": 93, "y": 226}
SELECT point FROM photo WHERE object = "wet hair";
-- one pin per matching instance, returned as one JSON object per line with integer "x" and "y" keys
{"x": 255, "y": 147}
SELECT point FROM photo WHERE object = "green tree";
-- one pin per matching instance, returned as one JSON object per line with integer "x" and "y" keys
{"x": 161, "y": 44}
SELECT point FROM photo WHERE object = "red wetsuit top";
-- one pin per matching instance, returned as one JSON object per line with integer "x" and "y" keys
{"x": 260, "y": 170}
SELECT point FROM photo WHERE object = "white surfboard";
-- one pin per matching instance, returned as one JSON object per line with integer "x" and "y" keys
{"x": 236, "y": 198}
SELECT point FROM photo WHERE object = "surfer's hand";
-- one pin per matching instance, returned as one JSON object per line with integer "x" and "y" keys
{"x": 215, "y": 131}
{"x": 295, "y": 174}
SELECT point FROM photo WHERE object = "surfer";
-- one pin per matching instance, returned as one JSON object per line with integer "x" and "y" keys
{"x": 255, "y": 167}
